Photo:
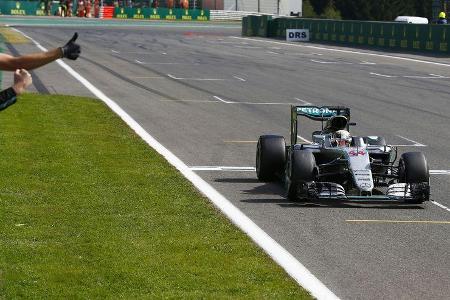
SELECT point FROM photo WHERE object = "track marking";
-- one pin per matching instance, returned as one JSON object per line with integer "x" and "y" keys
{"x": 271, "y": 52}
{"x": 305, "y": 140}
{"x": 280, "y": 255}
{"x": 432, "y": 76}
{"x": 415, "y": 144}
{"x": 345, "y": 51}
{"x": 198, "y": 79}
{"x": 220, "y": 99}
{"x": 114, "y": 51}
{"x": 398, "y": 221}
{"x": 239, "y": 78}
{"x": 440, "y": 205}
{"x": 223, "y": 168}
{"x": 303, "y": 101}
{"x": 163, "y": 63}
{"x": 262, "y": 103}
{"x": 382, "y": 75}
{"x": 363, "y": 62}
{"x": 331, "y": 62}
{"x": 439, "y": 172}
{"x": 147, "y": 77}
{"x": 407, "y": 145}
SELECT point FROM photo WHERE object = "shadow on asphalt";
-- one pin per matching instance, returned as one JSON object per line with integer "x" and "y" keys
{"x": 340, "y": 204}
{"x": 331, "y": 204}
{"x": 276, "y": 189}
{"x": 237, "y": 180}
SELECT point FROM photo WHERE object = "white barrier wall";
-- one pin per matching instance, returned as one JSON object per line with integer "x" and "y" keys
{"x": 283, "y": 7}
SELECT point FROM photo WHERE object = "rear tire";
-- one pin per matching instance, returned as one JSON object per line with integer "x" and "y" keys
{"x": 413, "y": 169}
{"x": 303, "y": 170}
{"x": 270, "y": 157}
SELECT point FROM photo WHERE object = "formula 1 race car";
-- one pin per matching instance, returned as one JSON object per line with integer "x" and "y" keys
{"x": 338, "y": 166}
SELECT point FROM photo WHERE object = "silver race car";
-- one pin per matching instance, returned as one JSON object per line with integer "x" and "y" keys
{"x": 335, "y": 165}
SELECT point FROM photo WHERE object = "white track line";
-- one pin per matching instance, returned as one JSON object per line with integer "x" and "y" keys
{"x": 303, "y": 101}
{"x": 305, "y": 140}
{"x": 382, "y": 75}
{"x": 198, "y": 79}
{"x": 345, "y": 51}
{"x": 280, "y": 255}
{"x": 163, "y": 63}
{"x": 331, "y": 62}
{"x": 223, "y": 168}
{"x": 239, "y": 78}
{"x": 426, "y": 77}
{"x": 407, "y": 145}
{"x": 416, "y": 144}
{"x": 440, "y": 205}
{"x": 439, "y": 172}
{"x": 363, "y": 62}
{"x": 224, "y": 101}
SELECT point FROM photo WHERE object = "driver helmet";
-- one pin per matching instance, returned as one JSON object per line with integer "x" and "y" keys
{"x": 342, "y": 138}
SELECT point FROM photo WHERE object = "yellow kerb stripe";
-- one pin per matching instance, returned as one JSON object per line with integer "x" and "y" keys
{"x": 10, "y": 36}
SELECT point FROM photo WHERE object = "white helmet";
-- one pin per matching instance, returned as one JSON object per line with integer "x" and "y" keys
{"x": 342, "y": 138}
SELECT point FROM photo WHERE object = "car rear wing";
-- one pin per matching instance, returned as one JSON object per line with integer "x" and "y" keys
{"x": 316, "y": 113}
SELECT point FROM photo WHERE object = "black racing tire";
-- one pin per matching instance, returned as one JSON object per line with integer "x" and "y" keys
{"x": 270, "y": 157}
{"x": 413, "y": 168}
{"x": 303, "y": 169}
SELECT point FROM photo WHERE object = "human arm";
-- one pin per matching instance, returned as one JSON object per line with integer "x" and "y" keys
{"x": 71, "y": 50}
{"x": 22, "y": 79}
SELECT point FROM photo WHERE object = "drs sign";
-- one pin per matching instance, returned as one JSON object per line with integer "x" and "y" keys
{"x": 297, "y": 35}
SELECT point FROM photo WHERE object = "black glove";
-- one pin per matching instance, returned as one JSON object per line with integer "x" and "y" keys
{"x": 71, "y": 50}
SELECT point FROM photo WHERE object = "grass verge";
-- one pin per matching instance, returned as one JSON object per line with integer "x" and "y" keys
{"x": 87, "y": 210}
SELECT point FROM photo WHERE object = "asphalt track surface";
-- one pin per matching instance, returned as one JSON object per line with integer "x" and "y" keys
{"x": 206, "y": 95}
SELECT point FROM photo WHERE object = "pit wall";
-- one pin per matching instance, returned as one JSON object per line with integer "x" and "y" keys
{"x": 36, "y": 8}
{"x": 22, "y": 8}
{"x": 392, "y": 35}
{"x": 162, "y": 14}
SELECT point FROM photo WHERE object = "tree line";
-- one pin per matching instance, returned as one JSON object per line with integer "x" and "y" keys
{"x": 379, "y": 10}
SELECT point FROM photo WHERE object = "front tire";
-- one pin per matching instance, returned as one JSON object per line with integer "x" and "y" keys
{"x": 270, "y": 157}
{"x": 413, "y": 169}
{"x": 302, "y": 170}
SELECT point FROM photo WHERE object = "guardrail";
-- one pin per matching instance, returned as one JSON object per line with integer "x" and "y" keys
{"x": 398, "y": 36}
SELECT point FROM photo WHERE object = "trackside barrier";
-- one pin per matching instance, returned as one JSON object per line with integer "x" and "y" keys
{"x": 32, "y": 8}
{"x": 398, "y": 36}
{"x": 162, "y": 14}
{"x": 255, "y": 25}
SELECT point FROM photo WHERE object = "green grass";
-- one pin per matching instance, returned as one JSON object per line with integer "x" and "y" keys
{"x": 88, "y": 210}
